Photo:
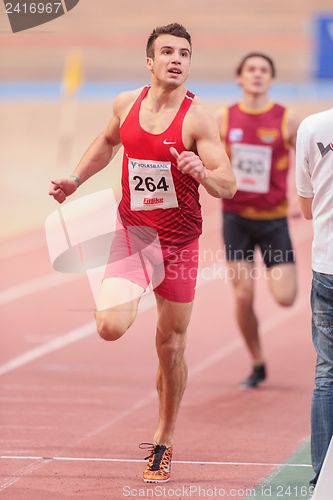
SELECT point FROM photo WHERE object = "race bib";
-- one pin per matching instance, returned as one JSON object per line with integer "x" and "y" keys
{"x": 151, "y": 184}
{"x": 252, "y": 167}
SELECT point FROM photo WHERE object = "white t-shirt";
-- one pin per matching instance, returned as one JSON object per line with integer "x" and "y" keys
{"x": 314, "y": 179}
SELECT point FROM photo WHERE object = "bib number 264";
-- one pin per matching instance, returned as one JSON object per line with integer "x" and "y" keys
{"x": 149, "y": 183}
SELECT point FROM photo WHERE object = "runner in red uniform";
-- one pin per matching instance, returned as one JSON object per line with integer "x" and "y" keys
{"x": 171, "y": 146}
{"x": 258, "y": 135}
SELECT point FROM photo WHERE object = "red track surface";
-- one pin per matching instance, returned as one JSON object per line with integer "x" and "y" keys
{"x": 91, "y": 399}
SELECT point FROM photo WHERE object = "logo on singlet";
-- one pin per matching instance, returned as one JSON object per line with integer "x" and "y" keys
{"x": 268, "y": 135}
{"x": 324, "y": 149}
{"x": 235, "y": 135}
{"x": 153, "y": 201}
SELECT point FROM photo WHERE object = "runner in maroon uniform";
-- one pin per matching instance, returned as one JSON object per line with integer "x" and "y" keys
{"x": 258, "y": 135}
{"x": 171, "y": 146}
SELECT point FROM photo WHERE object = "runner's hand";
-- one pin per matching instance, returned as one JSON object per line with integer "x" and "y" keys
{"x": 189, "y": 163}
{"x": 62, "y": 188}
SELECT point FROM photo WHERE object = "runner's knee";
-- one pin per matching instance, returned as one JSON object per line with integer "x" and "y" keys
{"x": 283, "y": 284}
{"x": 109, "y": 330}
{"x": 285, "y": 300}
{"x": 284, "y": 294}
{"x": 171, "y": 349}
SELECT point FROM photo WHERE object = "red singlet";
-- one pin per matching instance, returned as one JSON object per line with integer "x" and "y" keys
{"x": 154, "y": 192}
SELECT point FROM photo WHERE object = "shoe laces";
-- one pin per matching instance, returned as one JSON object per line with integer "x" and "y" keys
{"x": 156, "y": 457}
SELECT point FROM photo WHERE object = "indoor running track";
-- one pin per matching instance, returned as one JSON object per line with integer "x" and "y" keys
{"x": 74, "y": 408}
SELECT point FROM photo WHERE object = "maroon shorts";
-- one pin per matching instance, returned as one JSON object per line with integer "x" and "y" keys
{"x": 172, "y": 271}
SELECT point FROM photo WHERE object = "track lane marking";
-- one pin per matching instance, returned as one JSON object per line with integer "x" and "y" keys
{"x": 147, "y": 302}
{"x": 209, "y": 361}
{"x": 137, "y": 460}
{"x": 30, "y": 287}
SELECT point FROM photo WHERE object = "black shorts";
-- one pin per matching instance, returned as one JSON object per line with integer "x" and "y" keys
{"x": 242, "y": 236}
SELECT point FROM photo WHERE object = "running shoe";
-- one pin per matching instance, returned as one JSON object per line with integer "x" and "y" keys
{"x": 158, "y": 469}
{"x": 257, "y": 375}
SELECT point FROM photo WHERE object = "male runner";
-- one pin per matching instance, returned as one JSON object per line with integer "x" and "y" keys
{"x": 258, "y": 135}
{"x": 171, "y": 146}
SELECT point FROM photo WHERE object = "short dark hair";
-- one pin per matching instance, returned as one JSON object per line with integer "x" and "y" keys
{"x": 173, "y": 29}
{"x": 270, "y": 61}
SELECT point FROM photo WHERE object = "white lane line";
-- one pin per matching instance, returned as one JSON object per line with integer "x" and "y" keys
{"x": 81, "y": 332}
{"x": 135, "y": 407}
{"x": 52, "y": 279}
{"x": 223, "y": 352}
{"x": 17, "y": 475}
{"x": 15, "y": 247}
{"x": 75, "y": 335}
{"x": 135, "y": 460}
{"x": 36, "y": 285}
{"x": 51, "y": 346}
{"x": 56, "y": 279}
{"x": 267, "y": 326}
{"x": 146, "y": 303}
{"x": 209, "y": 361}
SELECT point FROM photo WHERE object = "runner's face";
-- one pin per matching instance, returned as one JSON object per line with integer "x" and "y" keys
{"x": 171, "y": 63}
{"x": 256, "y": 76}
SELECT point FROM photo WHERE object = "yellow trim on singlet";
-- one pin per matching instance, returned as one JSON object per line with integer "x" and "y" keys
{"x": 282, "y": 163}
{"x": 277, "y": 212}
{"x": 284, "y": 130}
{"x": 251, "y": 111}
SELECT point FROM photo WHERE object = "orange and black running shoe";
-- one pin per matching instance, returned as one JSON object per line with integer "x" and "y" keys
{"x": 158, "y": 469}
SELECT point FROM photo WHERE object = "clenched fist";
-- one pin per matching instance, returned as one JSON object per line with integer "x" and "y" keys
{"x": 62, "y": 188}
{"x": 190, "y": 163}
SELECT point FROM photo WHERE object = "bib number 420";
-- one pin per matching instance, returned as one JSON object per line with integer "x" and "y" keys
{"x": 149, "y": 184}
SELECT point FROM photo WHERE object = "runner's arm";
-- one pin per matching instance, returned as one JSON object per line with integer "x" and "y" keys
{"x": 221, "y": 118}
{"x": 220, "y": 180}
{"x": 211, "y": 166}
{"x": 96, "y": 157}
{"x": 292, "y": 124}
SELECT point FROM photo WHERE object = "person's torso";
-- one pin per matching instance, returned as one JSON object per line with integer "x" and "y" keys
{"x": 154, "y": 192}
{"x": 320, "y": 156}
{"x": 257, "y": 147}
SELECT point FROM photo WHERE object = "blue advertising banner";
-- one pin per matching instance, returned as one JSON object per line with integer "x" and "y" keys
{"x": 324, "y": 41}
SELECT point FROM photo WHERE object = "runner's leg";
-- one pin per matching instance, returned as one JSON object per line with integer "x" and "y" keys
{"x": 117, "y": 307}
{"x": 282, "y": 282}
{"x": 240, "y": 274}
{"x": 173, "y": 320}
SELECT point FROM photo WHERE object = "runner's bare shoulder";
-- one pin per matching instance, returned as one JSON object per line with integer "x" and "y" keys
{"x": 124, "y": 101}
{"x": 200, "y": 118}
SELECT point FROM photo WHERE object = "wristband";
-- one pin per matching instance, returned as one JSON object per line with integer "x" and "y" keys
{"x": 77, "y": 179}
